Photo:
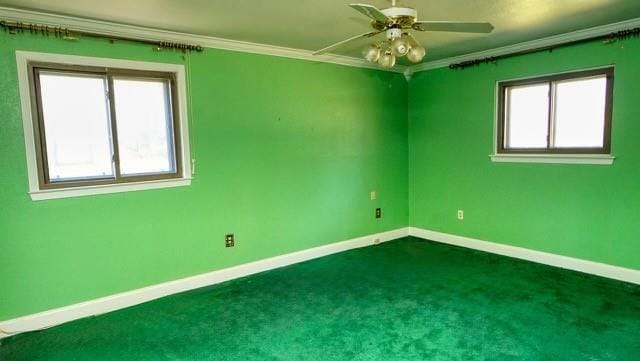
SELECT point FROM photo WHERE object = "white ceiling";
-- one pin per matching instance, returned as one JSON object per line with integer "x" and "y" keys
{"x": 313, "y": 24}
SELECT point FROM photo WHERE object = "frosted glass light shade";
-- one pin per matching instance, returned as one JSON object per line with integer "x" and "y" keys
{"x": 400, "y": 46}
{"x": 387, "y": 60}
{"x": 371, "y": 53}
{"x": 416, "y": 54}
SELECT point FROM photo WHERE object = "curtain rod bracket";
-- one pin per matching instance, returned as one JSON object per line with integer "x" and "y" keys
{"x": 607, "y": 39}
{"x": 15, "y": 27}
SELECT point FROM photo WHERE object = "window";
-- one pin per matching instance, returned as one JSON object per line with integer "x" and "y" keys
{"x": 100, "y": 129}
{"x": 559, "y": 114}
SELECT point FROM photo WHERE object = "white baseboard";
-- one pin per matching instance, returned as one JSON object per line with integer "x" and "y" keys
{"x": 98, "y": 306}
{"x": 595, "y": 268}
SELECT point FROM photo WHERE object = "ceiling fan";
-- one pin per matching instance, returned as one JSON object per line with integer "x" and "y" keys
{"x": 395, "y": 22}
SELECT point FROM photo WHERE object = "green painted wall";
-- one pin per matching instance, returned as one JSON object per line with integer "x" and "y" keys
{"x": 583, "y": 211}
{"x": 287, "y": 153}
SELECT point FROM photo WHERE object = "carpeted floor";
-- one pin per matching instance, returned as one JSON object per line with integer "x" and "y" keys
{"x": 404, "y": 300}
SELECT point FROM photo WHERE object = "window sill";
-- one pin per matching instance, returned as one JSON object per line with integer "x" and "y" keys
{"x": 40, "y": 195}
{"x": 598, "y": 159}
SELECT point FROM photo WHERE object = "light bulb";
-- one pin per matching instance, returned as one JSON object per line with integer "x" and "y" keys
{"x": 387, "y": 60}
{"x": 371, "y": 53}
{"x": 416, "y": 54}
{"x": 400, "y": 46}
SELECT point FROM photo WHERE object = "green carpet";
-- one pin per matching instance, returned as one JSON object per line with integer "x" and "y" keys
{"x": 404, "y": 300}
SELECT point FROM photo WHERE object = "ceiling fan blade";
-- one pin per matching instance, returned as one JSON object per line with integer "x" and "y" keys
{"x": 453, "y": 26}
{"x": 338, "y": 45}
{"x": 372, "y": 12}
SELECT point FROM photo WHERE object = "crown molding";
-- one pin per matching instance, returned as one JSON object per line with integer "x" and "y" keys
{"x": 528, "y": 45}
{"x": 144, "y": 33}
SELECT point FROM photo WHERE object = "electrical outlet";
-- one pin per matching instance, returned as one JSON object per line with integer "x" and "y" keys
{"x": 373, "y": 195}
{"x": 378, "y": 212}
{"x": 229, "y": 240}
{"x": 460, "y": 215}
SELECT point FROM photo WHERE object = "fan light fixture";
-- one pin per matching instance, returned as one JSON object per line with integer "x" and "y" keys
{"x": 416, "y": 54}
{"x": 398, "y": 44}
{"x": 372, "y": 53}
{"x": 395, "y": 22}
{"x": 388, "y": 60}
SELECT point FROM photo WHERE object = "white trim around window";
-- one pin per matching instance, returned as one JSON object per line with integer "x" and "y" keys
{"x": 558, "y": 158}
{"x": 598, "y": 159}
{"x": 23, "y": 58}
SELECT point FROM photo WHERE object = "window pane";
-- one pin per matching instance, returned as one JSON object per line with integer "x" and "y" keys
{"x": 580, "y": 113}
{"x": 144, "y": 125}
{"x": 76, "y": 126}
{"x": 527, "y": 116}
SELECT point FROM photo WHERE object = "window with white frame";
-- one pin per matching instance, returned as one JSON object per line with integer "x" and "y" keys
{"x": 560, "y": 114}
{"x": 102, "y": 125}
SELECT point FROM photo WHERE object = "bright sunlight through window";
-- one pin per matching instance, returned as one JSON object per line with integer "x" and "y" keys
{"x": 102, "y": 126}
{"x": 143, "y": 114}
{"x": 74, "y": 106}
{"x": 566, "y": 113}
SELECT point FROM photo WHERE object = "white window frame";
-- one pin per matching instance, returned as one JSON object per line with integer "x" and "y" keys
{"x": 596, "y": 159}
{"x": 23, "y": 58}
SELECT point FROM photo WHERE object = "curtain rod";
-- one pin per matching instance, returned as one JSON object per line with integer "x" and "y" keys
{"x": 15, "y": 27}
{"x": 608, "y": 39}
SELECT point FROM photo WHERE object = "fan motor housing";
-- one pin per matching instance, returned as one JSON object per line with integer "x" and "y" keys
{"x": 394, "y": 33}
{"x": 403, "y": 16}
